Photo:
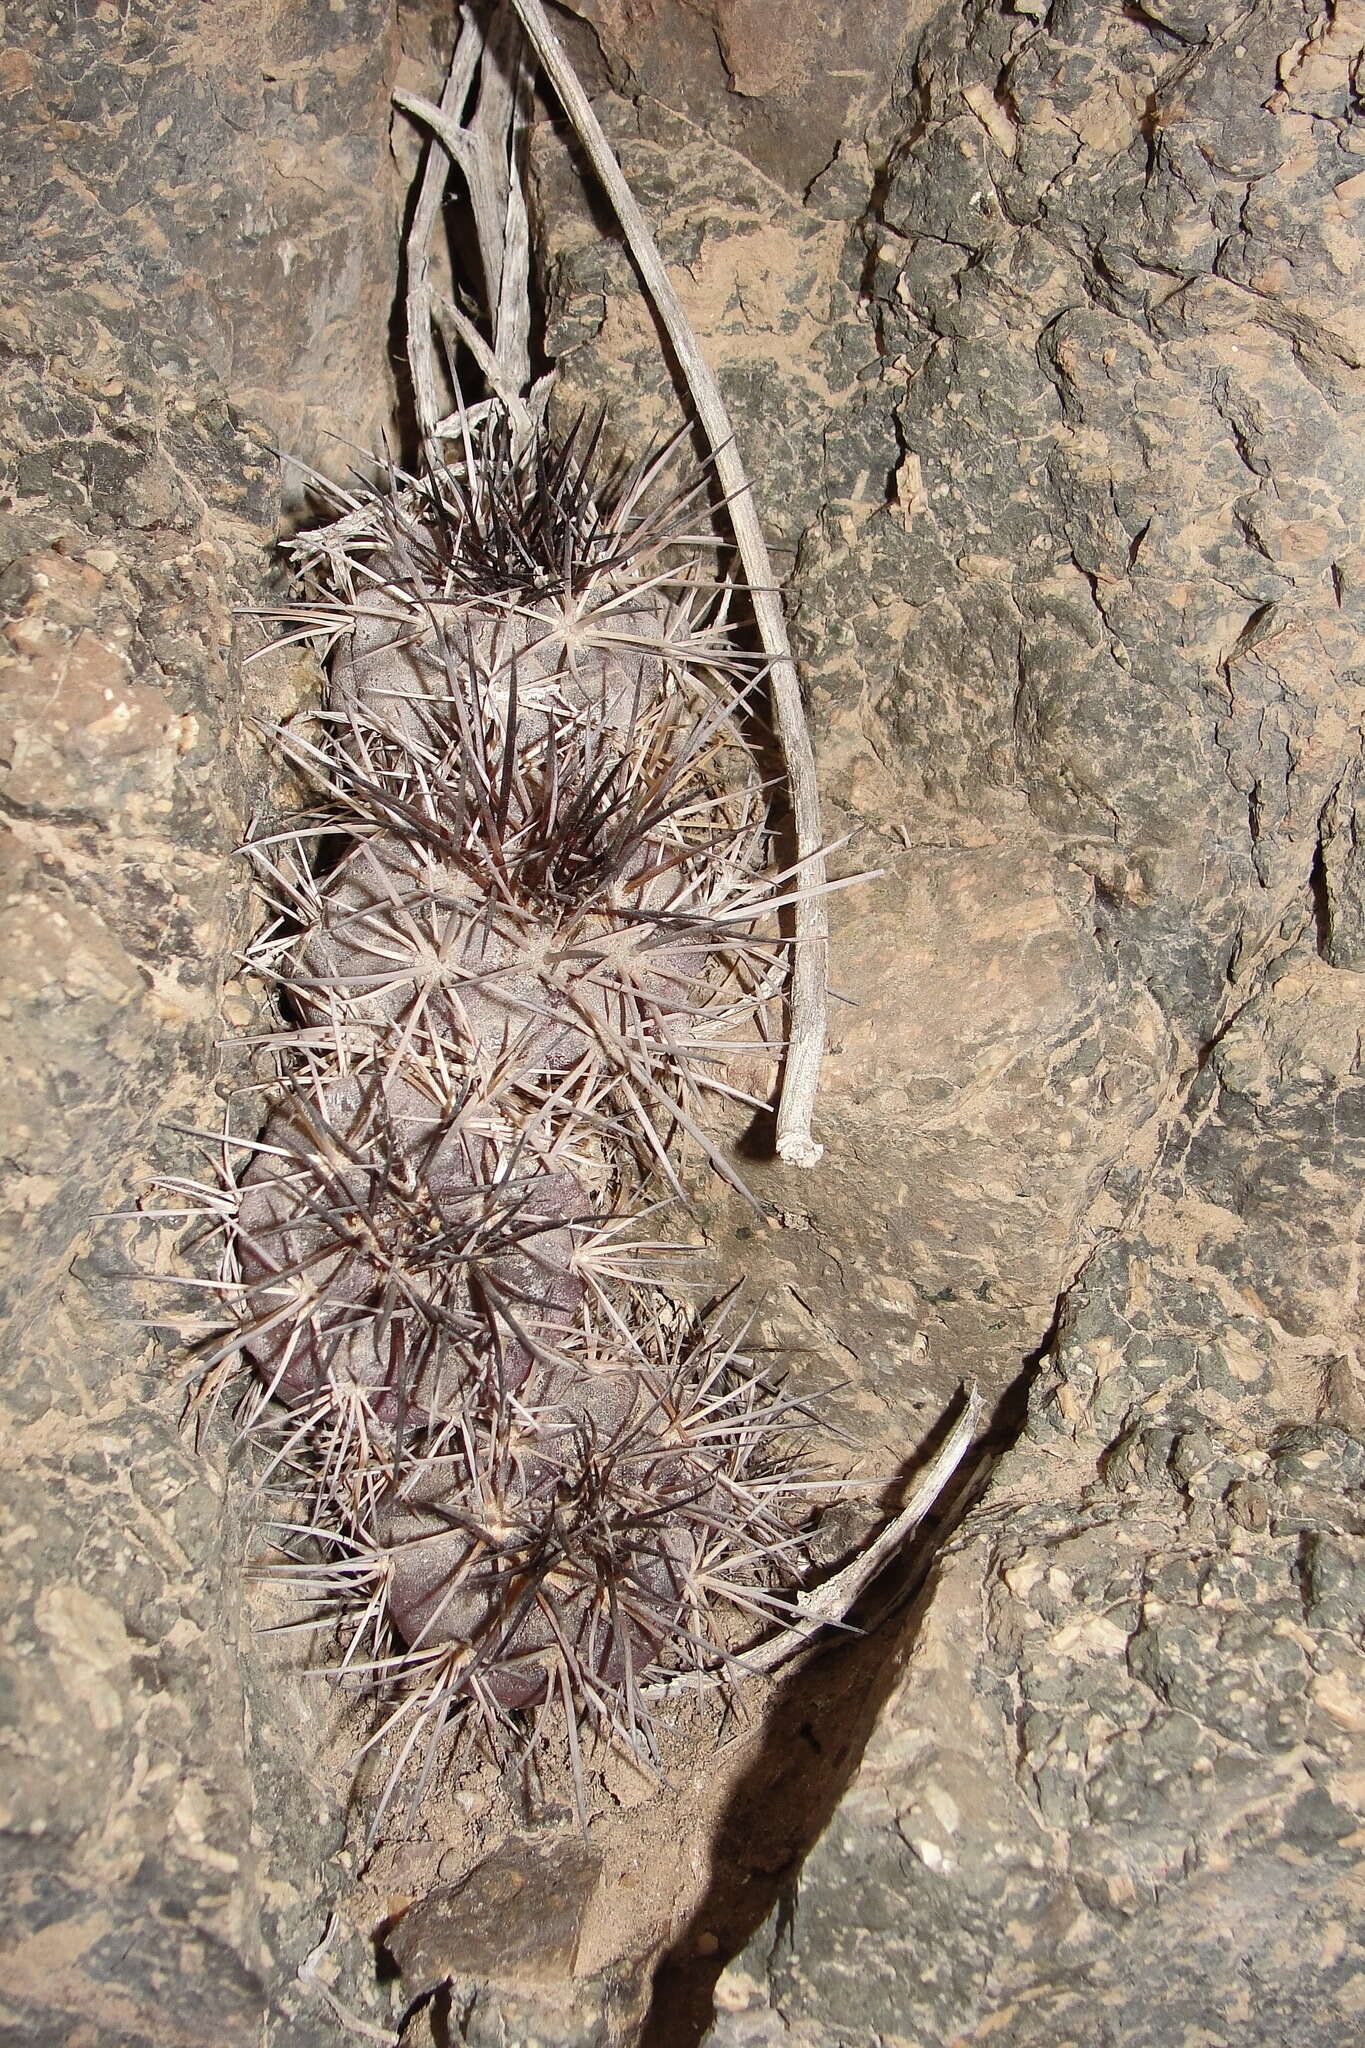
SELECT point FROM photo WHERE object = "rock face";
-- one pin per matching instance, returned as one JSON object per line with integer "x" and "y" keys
{"x": 1049, "y": 377}
{"x": 1041, "y": 325}
{"x": 1064, "y": 488}
{"x": 1117, "y": 1793}
{"x": 196, "y": 199}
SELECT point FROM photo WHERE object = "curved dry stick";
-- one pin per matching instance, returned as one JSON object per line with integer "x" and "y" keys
{"x": 826, "y": 1605}
{"x": 831, "y": 1600}
{"x": 806, "y": 1045}
{"x": 417, "y": 310}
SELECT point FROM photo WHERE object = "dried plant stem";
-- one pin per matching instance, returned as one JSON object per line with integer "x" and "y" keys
{"x": 805, "y": 1051}
{"x": 831, "y": 1600}
{"x": 483, "y": 148}
{"x": 421, "y": 353}
{"x": 826, "y": 1605}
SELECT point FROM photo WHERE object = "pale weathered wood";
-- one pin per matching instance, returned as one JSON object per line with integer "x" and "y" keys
{"x": 827, "y": 1605}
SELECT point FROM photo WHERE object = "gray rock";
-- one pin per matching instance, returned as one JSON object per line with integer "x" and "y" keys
{"x": 1115, "y": 1792}
{"x": 179, "y": 286}
{"x": 590, "y": 2013}
{"x": 517, "y": 1915}
{"x": 1341, "y": 880}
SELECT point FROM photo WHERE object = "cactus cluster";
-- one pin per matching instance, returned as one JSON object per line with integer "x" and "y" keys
{"x": 513, "y": 944}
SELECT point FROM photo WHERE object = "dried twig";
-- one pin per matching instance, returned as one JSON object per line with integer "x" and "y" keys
{"x": 830, "y": 1601}
{"x": 805, "y": 1051}
{"x": 483, "y": 148}
{"x": 425, "y": 214}
{"x": 826, "y": 1605}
